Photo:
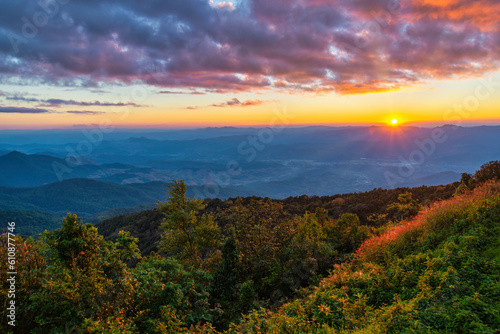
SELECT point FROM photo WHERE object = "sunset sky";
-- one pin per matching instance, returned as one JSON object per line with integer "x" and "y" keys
{"x": 193, "y": 63}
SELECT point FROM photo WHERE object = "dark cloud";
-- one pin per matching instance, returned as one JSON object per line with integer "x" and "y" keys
{"x": 61, "y": 102}
{"x": 22, "y": 98}
{"x": 18, "y": 110}
{"x": 347, "y": 46}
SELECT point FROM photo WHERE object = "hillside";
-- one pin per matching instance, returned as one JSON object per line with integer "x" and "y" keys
{"x": 247, "y": 265}
{"x": 146, "y": 225}
{"x": 30, "y": 223}
{"x": 31, "y": 170}
{"x": 436, "y": 273}
{"x": 86, "y": 197}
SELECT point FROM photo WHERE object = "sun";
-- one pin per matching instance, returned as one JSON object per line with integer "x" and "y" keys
{"x": 394, "y": 122}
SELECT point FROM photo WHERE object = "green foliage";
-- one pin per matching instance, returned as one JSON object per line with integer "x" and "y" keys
{"x": 488, "y": 171}
{"x": 168, "y": 296}
{"x": 143, "y": 225}
{"x": 439, "y": 275}
{"x": 126, "y": 246}
{"x": 225, "y": 287}
{"x": 350, "y": 233}
{"x": 86, "y": 285}
{"x": 316, "y": 272}
{"x": 467, "y": 183}
{"x": 192, "y": 239}
{"x": 30, "y": 267}
{"x": 406, "y": 207}
{"x": 146, "y": 225}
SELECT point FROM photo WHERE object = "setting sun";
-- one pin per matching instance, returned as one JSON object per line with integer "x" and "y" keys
{"x": 394, "y": 121}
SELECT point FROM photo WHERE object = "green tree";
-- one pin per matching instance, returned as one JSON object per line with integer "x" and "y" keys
{"x": 488, "y": 171}
{"x": 350, "y": 233}
{"x": 189, "y": 237}
{"x": 86, "y": 284}
{"x": 30, "y": 266}
{"x": 225, "y": 287}
{"x": 405, "y": 207}
{"x": 262, "y": 234}
{"x": 126, "y": 246}
{"x": 169, "y": 298}
{"x": 310, "y": 254}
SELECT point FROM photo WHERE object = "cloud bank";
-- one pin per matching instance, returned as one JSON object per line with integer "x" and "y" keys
{"x": 19, "y": 110}
{"x": 347, "y": 46}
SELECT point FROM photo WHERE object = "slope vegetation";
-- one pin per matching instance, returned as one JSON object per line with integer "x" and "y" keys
{"x": 436, "y": 273}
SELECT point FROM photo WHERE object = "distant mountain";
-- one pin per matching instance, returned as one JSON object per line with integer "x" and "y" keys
{"x": 314, "y": 160}
{"x": 87, "y": 198}
{"x": 99, "y": 217}
{"x": 437, "y": 179}
{"x": 22, "y": 170}
{"x": 30, "y": 222}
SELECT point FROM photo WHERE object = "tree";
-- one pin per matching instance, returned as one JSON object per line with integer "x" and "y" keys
{"x": 406, "y": 206}
{"x": 126, "y": 246}
{"x": 224, "y": 290}
{"x": 189, "y": 237}
{"x": 30, "y": 266}
{"x": 261, "y": 234}
{"x": 169, "y": 298}
{"x": 86, "y": 283}
{"x": 350, "y": 233}
{"x": 488, "y": 171}
{"x": 466, "y": 184}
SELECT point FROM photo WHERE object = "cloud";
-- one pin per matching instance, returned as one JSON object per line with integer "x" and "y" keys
{"x": 60, "y": 102}
{"x": 85, "y": 112}
{"x": 22, "y": 98}
{"x": 483, "y": 14}
{"x": 224, "y": 5}
{"x": 234, "y": 102}
{"x": 342, "y": 46}
{"x": 181, "y": 92}
{"x": 18, "y": 110}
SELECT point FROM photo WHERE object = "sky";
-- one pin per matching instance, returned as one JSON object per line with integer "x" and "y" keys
{"x": 197, "y": 63}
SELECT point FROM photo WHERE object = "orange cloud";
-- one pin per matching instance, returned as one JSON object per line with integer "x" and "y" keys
{"x": 483, "y": 14}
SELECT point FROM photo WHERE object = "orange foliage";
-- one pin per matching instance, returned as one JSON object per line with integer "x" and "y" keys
{"x": 374, "y": 247}
{"x": 376, "y": 244}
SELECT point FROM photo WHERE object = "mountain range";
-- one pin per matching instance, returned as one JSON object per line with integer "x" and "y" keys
{"x": 277, "y": 162}
{"x": 126, "y": 171}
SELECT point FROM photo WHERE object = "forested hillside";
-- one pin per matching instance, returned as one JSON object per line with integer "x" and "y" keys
{"x": 30, "y": 223}
{"x": 371, "y": 208}
{"x": 436, "y": 273}
{"x": 250, "y": 266}
{"x": 88, "y": 198}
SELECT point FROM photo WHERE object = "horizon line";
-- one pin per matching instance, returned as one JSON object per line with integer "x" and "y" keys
{"x": 426, "y": 124}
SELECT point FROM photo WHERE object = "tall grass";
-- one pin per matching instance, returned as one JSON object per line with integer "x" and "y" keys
{"x": 430, "y": 223}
